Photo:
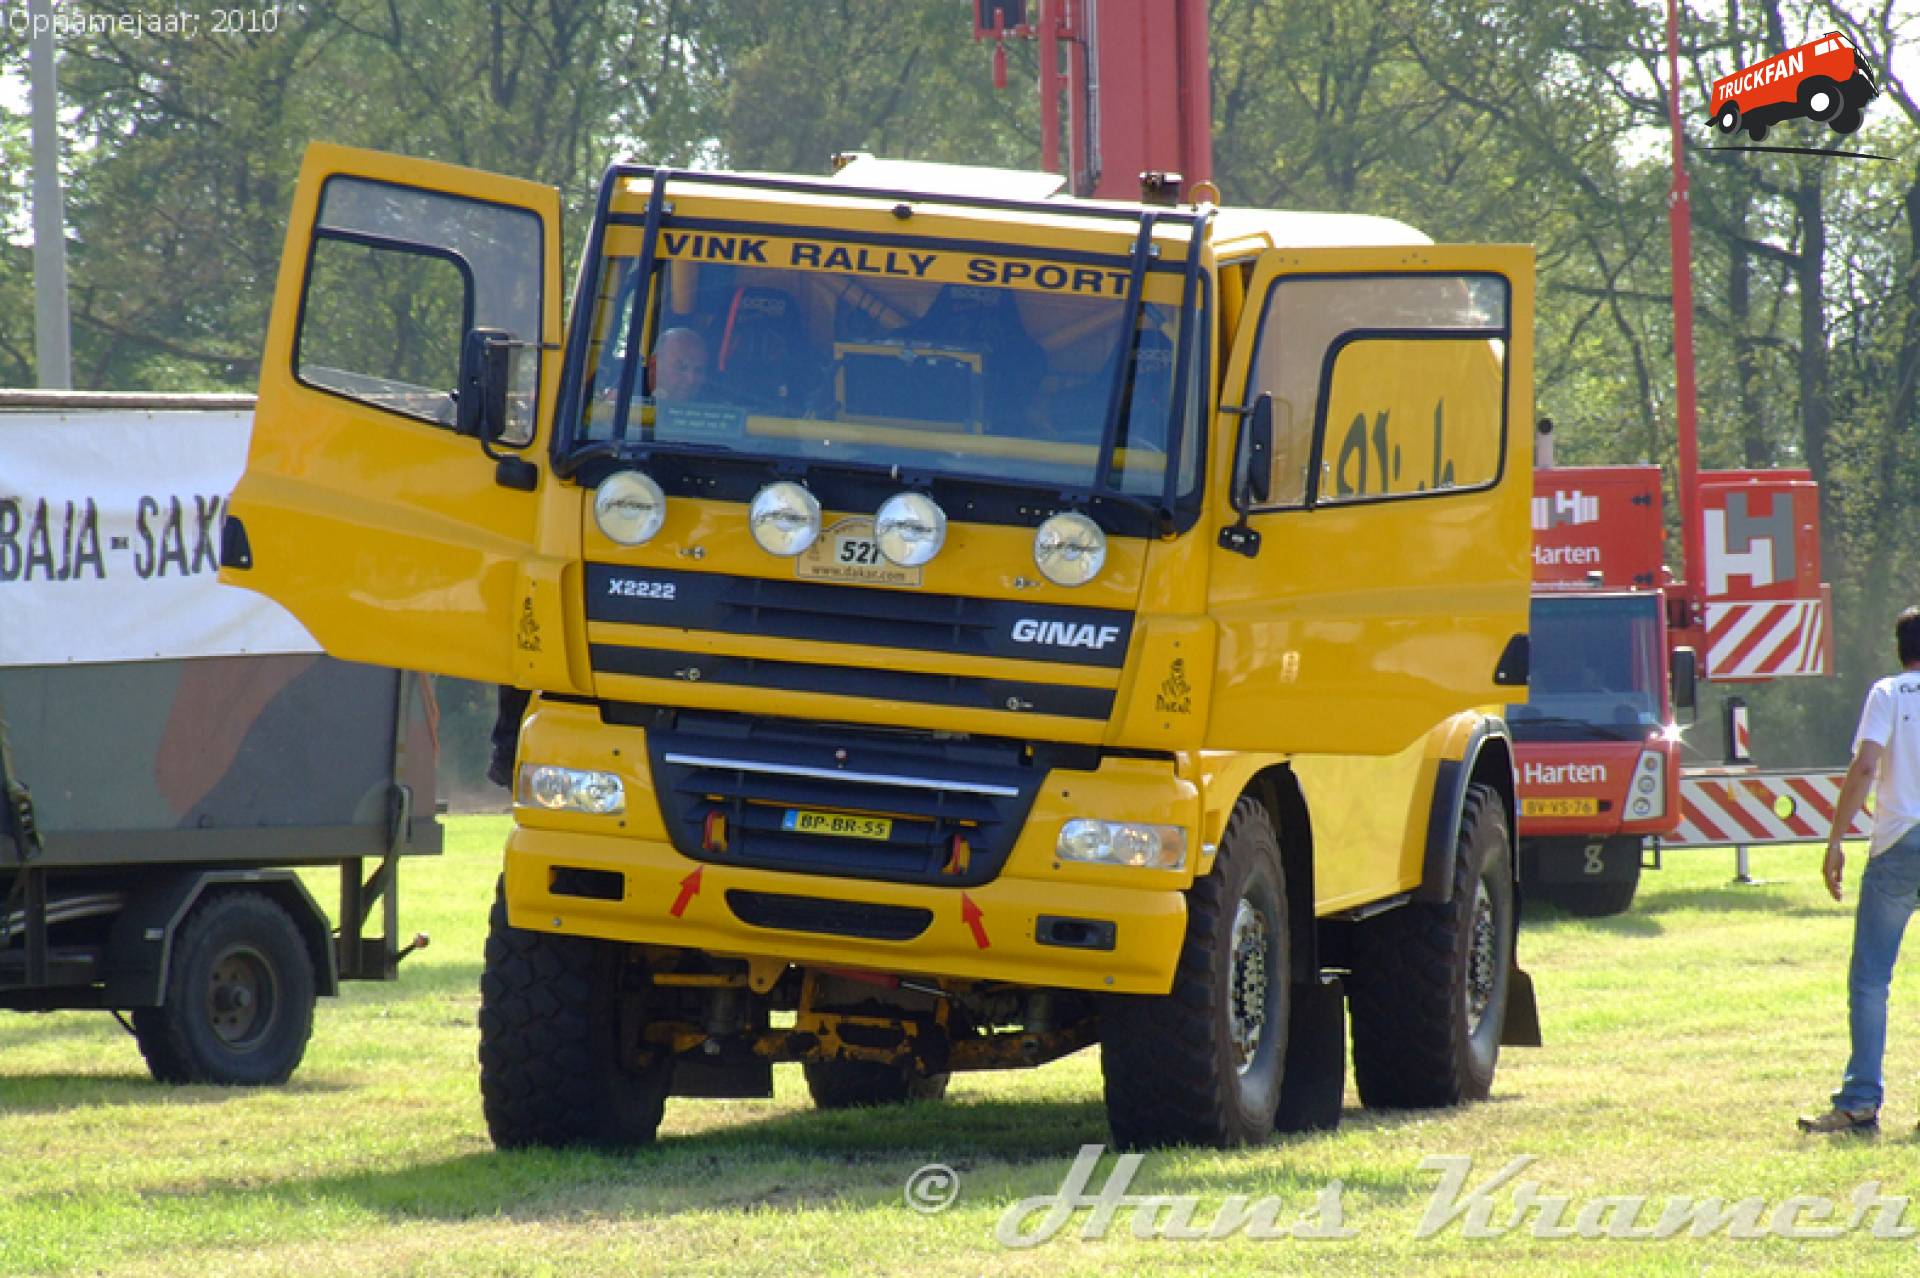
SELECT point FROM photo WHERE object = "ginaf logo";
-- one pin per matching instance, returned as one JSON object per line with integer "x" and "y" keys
{"x": 1821, "y": 80}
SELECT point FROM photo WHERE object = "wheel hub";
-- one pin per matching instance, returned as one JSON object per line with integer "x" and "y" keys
{"x": 1248, "y": 983}
{"x": 240, "y": 998}
{"x": 1483, "y": 952}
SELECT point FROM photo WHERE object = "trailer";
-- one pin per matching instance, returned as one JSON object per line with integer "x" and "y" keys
{"x": 172, "y": 753}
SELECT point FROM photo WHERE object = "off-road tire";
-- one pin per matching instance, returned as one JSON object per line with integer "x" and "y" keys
{"x": 237, "y": 1004}
{"x": 550, "y": 1067}
{"x": 852, "y": 1084}
{"x": 1415, "y": 1043}
{"x": 1170, "y": 1062}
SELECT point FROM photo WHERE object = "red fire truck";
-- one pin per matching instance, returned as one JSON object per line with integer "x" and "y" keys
{"x": 1823, "y": 80}
{"x": 1614, "y": 656}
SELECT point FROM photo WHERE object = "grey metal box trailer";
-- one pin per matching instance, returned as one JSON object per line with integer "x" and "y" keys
{"x": 155, "y": 811}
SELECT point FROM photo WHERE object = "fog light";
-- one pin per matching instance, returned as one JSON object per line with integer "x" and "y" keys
{"x": 910, "y": 528}
{"x": 1134, "y": 843}
{"x": 629, "y": 507}
{"x": 1069, "y": 549}
{"x": 571, "y": 790}
{"x": 785, "y": 518}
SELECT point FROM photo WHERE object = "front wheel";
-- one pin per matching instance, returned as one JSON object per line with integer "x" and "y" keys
{"x": 551, "y": 1067}
{"x": 1429, "y": 990}
{"x": 237, "y": 1007}
{"x": 1202, "y": 1064}
{"x": 1728, "y": 121}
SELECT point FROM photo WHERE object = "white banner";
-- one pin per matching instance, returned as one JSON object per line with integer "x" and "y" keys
{"x": 110, "y": 539}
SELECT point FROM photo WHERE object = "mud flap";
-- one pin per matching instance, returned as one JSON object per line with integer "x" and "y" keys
{"x": 1522, "y": 1026}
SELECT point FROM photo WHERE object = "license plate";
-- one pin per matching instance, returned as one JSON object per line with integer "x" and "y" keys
{"x": 837, "y": 824}
{"x": 1559, "y": 807}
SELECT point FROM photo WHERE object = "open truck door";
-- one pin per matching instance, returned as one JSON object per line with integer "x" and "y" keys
{"x": 1373, "y": 577}
{"x": 364, "y": 511}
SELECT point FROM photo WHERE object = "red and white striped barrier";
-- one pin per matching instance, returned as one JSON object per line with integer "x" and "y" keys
{"x": 1744, "y": 807}
{"x": 1766, "y": 639}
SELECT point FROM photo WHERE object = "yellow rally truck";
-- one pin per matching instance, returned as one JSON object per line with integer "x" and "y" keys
{"x": 967, "y": 623}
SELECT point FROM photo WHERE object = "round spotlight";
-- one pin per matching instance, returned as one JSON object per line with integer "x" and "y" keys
{"x": 1069, "y": 549}
{"x": 785, "y": 518}
{"x": 910, "y": 529}
{"x": 629, "y": 507}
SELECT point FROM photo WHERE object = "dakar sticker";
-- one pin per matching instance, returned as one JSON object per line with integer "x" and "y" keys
{"x": 1176, "y": 694}
{"x": 529, "y": 633}
{"x": 848, "y": 552}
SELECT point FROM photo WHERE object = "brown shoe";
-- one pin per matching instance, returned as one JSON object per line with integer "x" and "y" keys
{"x": 1836, "y": 1121}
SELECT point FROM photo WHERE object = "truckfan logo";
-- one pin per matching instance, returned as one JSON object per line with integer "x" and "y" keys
{"x": 1823, "y": 80}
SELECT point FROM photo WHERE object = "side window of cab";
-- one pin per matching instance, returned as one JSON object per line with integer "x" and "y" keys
{"x": 396, "y": 278}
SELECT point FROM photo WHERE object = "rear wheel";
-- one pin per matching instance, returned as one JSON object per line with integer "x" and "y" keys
{"x": 852, "y": 1084}
{"x": 1728, "y": 121}
{"x": 237, "y": 1006}
{"x": 1819, "y": 97}
{"x": 551, "y": 1067}
{"x": 1202, "y": 1065}
{"x": 1429, "y": 989}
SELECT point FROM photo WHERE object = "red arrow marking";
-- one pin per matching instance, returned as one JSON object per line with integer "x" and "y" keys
{"x": 970, "y": 915}
{"x": 689, "y": 886}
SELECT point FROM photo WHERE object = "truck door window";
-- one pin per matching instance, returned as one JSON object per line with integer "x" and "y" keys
{"x": 1382, "y": 385}
{"x": 397, "y": 277}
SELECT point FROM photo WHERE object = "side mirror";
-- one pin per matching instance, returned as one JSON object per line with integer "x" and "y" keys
{"x": 485, "y": 370}
{"x": 1252, "y": 476}
{"x": 1685, "y": 674}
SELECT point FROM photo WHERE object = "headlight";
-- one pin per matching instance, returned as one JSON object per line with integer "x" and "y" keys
{"x": 785, "y": 518}
{"x": 629, "y": 507}
{"x": 1159, "y": 847}
{"x": 571, "y": 790}
{"x": 1649, "y": 786}
{"x": 910, "y": 529}
{"x": 1069, "y": 549}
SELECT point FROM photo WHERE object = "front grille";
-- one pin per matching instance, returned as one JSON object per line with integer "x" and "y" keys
{"x": 862, "y": 615}
{"x": 753, "y": 773}
{"x": 834, "y": 918}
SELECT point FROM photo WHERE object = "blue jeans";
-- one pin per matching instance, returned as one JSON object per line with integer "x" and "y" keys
{"x": 1889, "y": 890}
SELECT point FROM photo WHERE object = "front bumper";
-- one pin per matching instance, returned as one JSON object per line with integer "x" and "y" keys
{"x": 1038, "y": 922}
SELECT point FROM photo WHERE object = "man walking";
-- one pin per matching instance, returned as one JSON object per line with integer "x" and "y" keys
{"x": 1886, "y": 759}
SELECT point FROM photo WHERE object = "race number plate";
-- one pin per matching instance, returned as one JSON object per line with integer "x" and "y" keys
{"x": 1559, "y": 807}
{"x": 847, "y": 552}
{"x": 837, "y": 824}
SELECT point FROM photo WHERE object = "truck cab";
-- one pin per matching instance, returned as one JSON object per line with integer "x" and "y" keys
{"x": 1597, "y": 744}
{"x": 968, "y": 624}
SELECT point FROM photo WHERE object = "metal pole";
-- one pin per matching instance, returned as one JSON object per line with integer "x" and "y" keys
{"x": 52, "y": 348}
{"x": 1680, "y": 233}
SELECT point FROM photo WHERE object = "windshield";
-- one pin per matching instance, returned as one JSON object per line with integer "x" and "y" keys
{"x": 936, "y": 361}
{"x": 1596, "y": 666}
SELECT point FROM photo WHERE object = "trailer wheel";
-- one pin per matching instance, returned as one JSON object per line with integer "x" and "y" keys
{"x": 551, "y": 1072}
{"x": 1202, "y": 1064}
{"x": 237, "y": 1007}
{"x": 1429, "y": 989}
{"x": 852, "y": 1084}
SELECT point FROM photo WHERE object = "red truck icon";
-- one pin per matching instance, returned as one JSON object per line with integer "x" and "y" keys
{"x": 1823, "y": 79}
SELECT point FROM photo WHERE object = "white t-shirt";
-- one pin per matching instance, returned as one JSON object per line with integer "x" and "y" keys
{"x": 1891, "y": 719}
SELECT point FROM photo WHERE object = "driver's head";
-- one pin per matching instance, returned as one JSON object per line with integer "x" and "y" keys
{"x": 679, "y": 364}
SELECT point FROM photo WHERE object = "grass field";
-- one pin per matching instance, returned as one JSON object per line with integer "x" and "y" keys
{"x": 1681, "y": 1040}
